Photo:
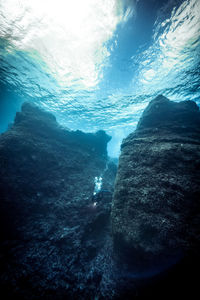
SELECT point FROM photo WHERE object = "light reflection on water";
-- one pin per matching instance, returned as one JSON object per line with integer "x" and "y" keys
{"x": 71, "y": 59}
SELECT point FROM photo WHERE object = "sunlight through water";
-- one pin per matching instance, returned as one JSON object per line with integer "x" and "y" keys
{"x": 96, "y": 64}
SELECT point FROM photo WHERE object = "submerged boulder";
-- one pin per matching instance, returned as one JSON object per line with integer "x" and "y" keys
{"x": 53, "y": 237}
{"x": 156, "y": 206}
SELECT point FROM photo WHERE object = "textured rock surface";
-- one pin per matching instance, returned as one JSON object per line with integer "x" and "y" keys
{"x": 56, "y": 244}
{"x": 54, "y": 241}
{"x": 156, "y": 207}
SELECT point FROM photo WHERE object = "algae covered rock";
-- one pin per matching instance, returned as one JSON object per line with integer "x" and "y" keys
{"x": 156, "y": 206}
{"x": 53, "y": 239}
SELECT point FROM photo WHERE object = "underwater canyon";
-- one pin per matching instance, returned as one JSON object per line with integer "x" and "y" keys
{"x": 99, "y": 149}
{"x": 63, "y": 233}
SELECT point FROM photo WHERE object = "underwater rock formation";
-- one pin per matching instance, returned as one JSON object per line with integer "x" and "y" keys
{"x": 156, "y": 206}
{"x": 53, "y": 237}
{"x": 55, "y": 201}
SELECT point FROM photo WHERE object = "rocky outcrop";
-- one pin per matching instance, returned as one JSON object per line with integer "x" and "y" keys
{"x": 156, "y": 206}
{"x": 54, "y": 234}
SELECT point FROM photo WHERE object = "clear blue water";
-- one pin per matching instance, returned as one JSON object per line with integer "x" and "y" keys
{"x": 97, "y": 63}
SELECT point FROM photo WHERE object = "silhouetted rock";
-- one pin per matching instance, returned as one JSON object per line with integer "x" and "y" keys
{"x": 163, "y": 113}
{"x": 156, "y": 207}
{"x": 54, "y": 239}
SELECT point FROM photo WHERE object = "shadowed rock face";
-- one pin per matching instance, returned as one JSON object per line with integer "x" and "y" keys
{"x": 156, "y": 206}
{"x": 53, "y": 239}
{"x": 56, "y": 241}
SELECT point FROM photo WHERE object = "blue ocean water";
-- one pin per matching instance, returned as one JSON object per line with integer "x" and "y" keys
{"x": 96, "y": 64}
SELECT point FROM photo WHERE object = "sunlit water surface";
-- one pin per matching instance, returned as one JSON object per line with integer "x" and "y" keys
{"x": 97, "y": 63}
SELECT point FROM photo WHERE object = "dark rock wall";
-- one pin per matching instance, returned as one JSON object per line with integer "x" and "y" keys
{"x": 53, "y": 238}
{"x": 56, "y": 240}
{"x": 156, "y": 206}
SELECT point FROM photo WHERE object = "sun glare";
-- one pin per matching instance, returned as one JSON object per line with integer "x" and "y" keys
{"x": 69, "y": 35}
